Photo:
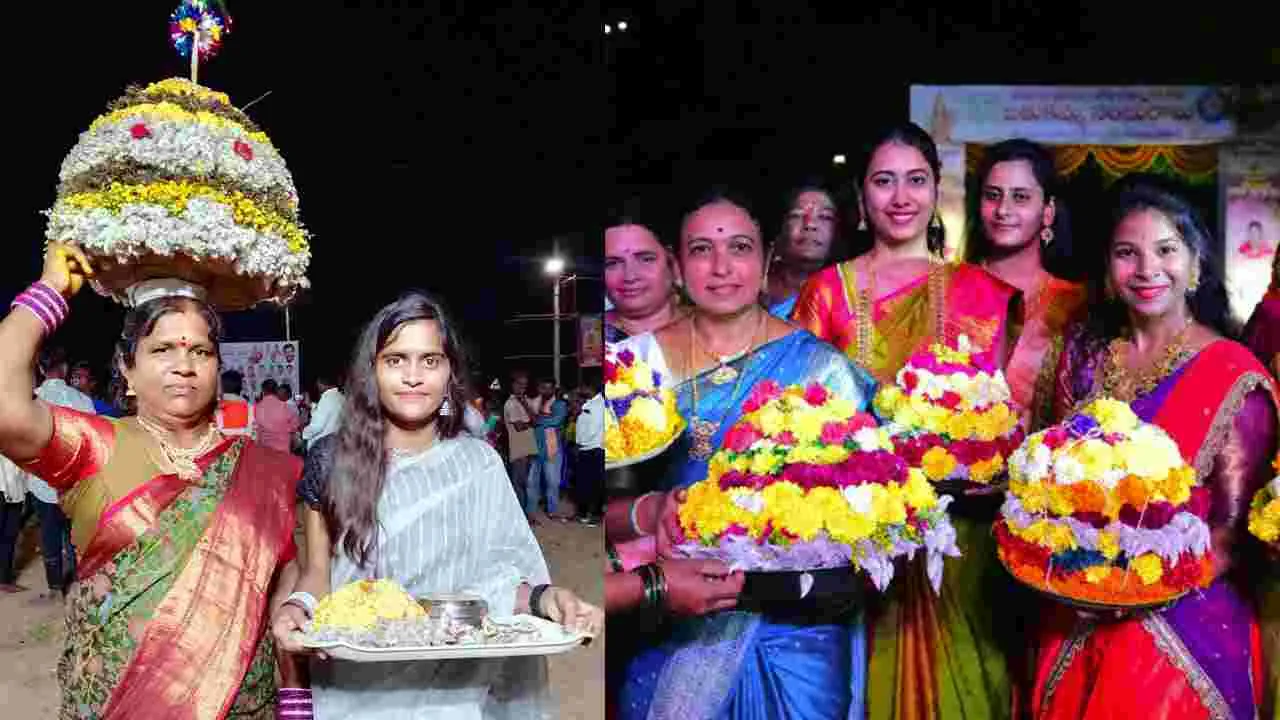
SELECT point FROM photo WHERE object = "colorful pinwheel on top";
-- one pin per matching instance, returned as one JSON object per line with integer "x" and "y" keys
{"x": 207, "y": 20}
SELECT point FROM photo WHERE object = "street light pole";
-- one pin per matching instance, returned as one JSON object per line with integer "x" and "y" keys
{"x": 555, "y": 329}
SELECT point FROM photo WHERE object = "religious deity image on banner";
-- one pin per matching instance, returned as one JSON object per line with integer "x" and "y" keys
{"x": 1251, "y": 187}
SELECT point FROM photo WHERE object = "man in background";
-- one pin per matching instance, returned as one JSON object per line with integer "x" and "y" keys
{"x": 327, "y": 412}
{"x": 13, "y": 493}
{"x": 549, "y": 412}
{"x": 521, "y": 447}
{"x": 589, "y": 476}
{"x": 83, "y": 379}
{"x": 235, "y": 413}
{"x": 276, "y": 421}
{"x": 55, "y": 530}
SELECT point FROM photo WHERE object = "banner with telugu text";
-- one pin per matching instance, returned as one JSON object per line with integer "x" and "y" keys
{"x": 1100, "y": 115}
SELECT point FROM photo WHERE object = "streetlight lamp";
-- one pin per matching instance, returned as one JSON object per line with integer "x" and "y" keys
{"x": 839, "y": 159}
{"x": 555, "y": 267}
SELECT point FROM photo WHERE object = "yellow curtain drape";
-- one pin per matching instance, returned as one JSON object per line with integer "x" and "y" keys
{"x": 1193, "y": 162}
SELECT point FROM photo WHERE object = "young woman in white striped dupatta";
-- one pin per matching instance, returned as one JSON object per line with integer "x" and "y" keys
{"x": 413, "y": 497}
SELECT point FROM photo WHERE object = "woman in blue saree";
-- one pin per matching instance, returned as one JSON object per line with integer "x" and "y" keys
{"x": 794, "y": 654}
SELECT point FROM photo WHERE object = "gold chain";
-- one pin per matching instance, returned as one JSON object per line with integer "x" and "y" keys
{"x": 176, "y": 460}
{"x": 866, "y": 306}
{"x": 704, "y": 430}
{"x": 1120, "y": 383}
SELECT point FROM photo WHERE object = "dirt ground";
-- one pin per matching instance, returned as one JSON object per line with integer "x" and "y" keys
{"x": 31, "y": 634}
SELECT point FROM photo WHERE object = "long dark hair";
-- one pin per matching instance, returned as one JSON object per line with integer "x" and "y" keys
{"x": 1108, "y": 317}
{"x": 911, "y": 135}
{"x": 360, "y": 460}
{"x": 1056, "y": 257}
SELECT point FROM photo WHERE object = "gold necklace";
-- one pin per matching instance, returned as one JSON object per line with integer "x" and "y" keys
{"x": 866, "y": 306}
{"x": 724, "y": 372}
{"x": 704, "y": 430}
{"x": 177, "y": 460}
{"x": 1120, "y": 383}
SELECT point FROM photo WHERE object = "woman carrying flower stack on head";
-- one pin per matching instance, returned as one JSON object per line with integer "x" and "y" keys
{"x": 1024, "y": 239}
{"x": 735, "y": 664}
{"x": 1156, "y": 338}
{"x": 413, "y": 498}
{"x": 180, "y": 532}
{"x": 932, "y": 655}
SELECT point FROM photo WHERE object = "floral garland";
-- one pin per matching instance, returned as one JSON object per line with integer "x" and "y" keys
{"x": 951, "y": 414}
{"x": 642, "y": 415}
{"x": 803, "y": 481}
{"x": 1264, "y": 511}
{"x": 171, "y": 171}
{"x": 1103, "y": 509}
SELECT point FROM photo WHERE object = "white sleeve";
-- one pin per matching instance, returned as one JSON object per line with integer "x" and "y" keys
{"x": 319, "y": 418}
{"x": 514, "y": 556}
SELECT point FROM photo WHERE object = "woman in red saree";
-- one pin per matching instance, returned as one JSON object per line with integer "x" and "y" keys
{"x": 180, "y": 532}
{"x": 1155, "y": 339}
{"x": 932, "y": 655}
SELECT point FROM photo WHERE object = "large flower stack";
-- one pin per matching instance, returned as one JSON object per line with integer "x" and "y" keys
{"x": 802, "y": 482}
{"x": 1103, "y": 510}
{"x": 641, "y": 418}
{"x": 950, "y": 414}
{"x": 1264, "y": 512}
{"x": 174, "y": 181}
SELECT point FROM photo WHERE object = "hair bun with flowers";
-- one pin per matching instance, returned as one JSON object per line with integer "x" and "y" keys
{"x": 175, "y": 182}
{"x": 1103, "y": 510}
{"x": 802, "y": 482}
{"x": 641, "y": 418}
{"x": 950, "y": 414}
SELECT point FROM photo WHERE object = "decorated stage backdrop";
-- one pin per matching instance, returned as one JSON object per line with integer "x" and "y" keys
{"x": 258, "y": 361}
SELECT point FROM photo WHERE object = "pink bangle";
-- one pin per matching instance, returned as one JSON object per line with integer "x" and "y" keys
{"x": 293, "y": 704}
{"x": 49, "y": 307}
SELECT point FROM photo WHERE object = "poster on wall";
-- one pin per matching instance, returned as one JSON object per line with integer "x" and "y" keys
{"x": 1250, "y": 181}
{"x": 590, "y": 341}
{"x": 258, "y": 361}
{"x": 951, "y": 202}
{"x": 1106, "y": 115}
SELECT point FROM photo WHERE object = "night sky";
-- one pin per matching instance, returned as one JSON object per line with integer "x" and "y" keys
{"x": 482, "y": 133}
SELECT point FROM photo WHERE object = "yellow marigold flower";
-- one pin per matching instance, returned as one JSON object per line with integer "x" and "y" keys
{"x": 1108, "y": 545}
{"x": 1148, "y": 568}
{"x": 1060, "y": 501}
{"x": 1096, "y": 456}
{"x": 839, "y": 408}
{"x": 918, "y": 492}
{"x": 887, "y": 400}
{"x": 771, "y": 420}
{"x": 832, "y": 455}
{"x": 1034, "y": 496}
{"x": 807, "y": 427}
{"x": 983, "y": 470}
{"x": 1114, "y": 416}
{"x": 1174, "y": 489}
{"x": 938, "y": 464}
{"x": 849, "y": 527}
{"x": 765, "y": 463}
{"x": 887, "y": 505}
{"x": 1097, "y": 573}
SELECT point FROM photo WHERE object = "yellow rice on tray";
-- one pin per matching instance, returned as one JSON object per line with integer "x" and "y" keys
{"x": 361, "y": 604}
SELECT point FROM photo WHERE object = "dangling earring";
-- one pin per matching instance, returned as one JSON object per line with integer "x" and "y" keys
{"x": 862, "y": 223}
{"x": 1195, "y": 282}
{"x": 1046, "y": 236}
{"x": 935, "y": 221}
{"x": 128, "y": 390}
{"x": 445, "y": 410}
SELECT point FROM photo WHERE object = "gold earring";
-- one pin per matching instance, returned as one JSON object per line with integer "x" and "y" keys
{"x": 1195, "y": 281}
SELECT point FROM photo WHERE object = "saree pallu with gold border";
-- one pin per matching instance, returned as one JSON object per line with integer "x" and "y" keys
{"x": 1040, "y": 336}
{"x": 933, "y": 655}
{"x": 167, "y": 619}
{"x": 1201, "y": 656}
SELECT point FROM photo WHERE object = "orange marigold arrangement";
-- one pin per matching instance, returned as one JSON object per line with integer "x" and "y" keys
{"x": 642, "y": 417}
{"x": 1103, "y": 510}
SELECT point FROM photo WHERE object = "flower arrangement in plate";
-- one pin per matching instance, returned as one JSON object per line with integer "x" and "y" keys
{"x": 1264, "y": 511}
{"x": 173, "y": 181}
{"x": 361, "y": 604}
{"x": 1102, "y": 511}
{"x": 805, "y": 482}
{"x": 950, "y": 414}
{"x": 641, "y": 419}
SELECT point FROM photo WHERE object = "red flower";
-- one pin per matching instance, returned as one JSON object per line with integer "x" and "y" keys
{"x": 610, "y": 371}
{"x": 761, "y": 395}
{"x": 785, "y": 438}
{"x": 740, "y": 437}
{"x": 860, "y": 421}
{"x": 244, "y": 150}
{"x": 1199, "y": 503}
{"x": 910, "y": 380}
{"x": 140, "y": 131}
{"x": 833, "y": 433}
{"x": 1055, "y": 437}
{"x": 950, "y": 400}
{"x": 815, "y": 394}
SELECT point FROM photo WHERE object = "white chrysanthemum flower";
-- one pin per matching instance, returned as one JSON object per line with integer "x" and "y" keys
{"x": 869, "y": 439}
{"x": 752, "y": 502}
{"x": 859, "y": 498}
{"x": 1067, "y": 470}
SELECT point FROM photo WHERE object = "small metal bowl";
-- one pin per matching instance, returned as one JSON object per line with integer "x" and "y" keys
{"x": 462, "y": 608}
